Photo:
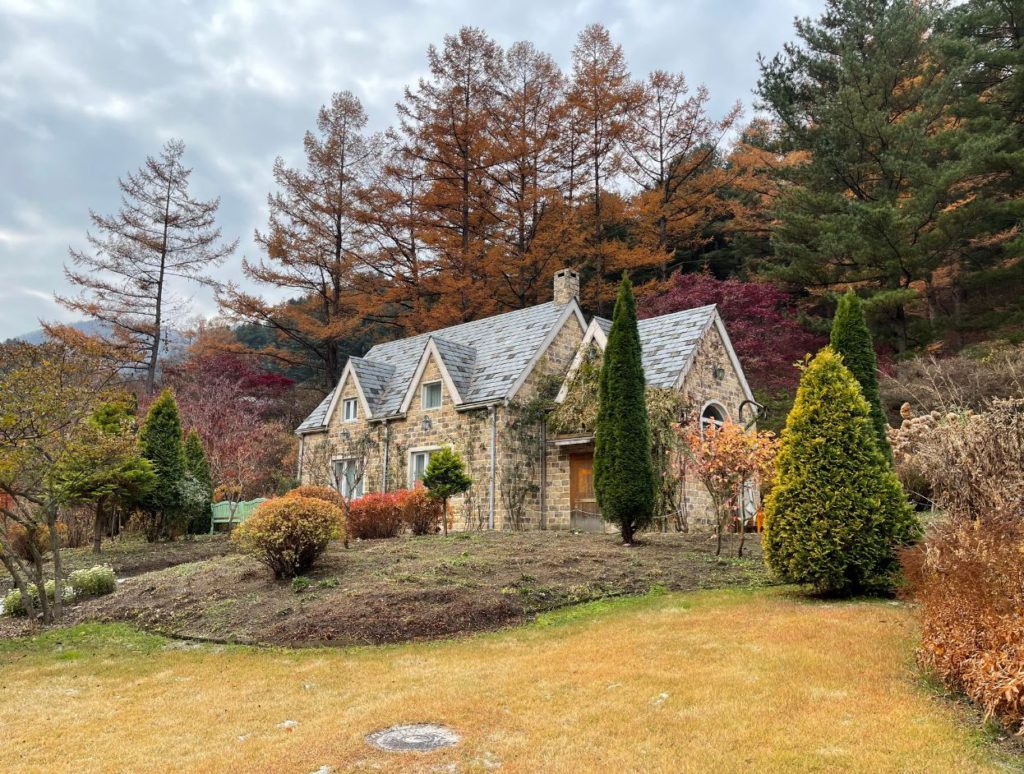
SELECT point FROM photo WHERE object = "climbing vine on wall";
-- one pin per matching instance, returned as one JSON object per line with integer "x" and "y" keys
{"x": 577, "y": 414}
{"x": 523, "y": 450}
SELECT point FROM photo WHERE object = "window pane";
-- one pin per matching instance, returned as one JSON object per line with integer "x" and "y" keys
{"x": 432, "y": 395}
{"x": 420, "y": 460}
{"x": 350, "y": 408}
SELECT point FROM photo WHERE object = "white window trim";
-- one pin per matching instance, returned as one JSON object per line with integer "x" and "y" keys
{"x": 423, "y": 392}
{"x": 413, "y": 452}
{"x": 714, "y": 404}
{"x": 339, "y": 484}
{"x": 345, "y": 403}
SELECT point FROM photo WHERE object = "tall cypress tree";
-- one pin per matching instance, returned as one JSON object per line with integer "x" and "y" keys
{"x": 623, "y": 471}
{"x": 852, "y": 339}
{"x": 160, "y": 443}
{"x": 198, "y": 467}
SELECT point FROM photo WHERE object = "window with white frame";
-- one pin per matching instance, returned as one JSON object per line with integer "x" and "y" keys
{"x": 349, "y": 478}
{"x": 418, "y": 461}
{"x": 431, "y": 397}
{"x": 350, "y": 409}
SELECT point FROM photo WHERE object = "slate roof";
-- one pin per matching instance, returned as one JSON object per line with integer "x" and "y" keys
{"x": 318, "y": 418}
{"x": 373, "y": 378}
{"x": 459, "y": 359}
{"x": 483, "y": 357}
{"x": 667, "y": 342}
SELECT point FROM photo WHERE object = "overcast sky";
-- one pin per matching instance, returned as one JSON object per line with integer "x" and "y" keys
{"x": 89, "y": 88}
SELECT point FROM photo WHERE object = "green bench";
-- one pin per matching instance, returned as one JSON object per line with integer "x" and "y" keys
{"x": 223, "y": 513}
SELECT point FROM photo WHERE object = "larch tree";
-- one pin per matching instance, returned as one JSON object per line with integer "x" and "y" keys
{"x": 400, "y": 269}
{"x": 623, "y": 470}
{"x": 315, "y": 242}
{"x": 601, "y": 97}
{"x": 160, "y": 235}
{"x": 851, "y": 338}
{"x": 671, "y": 152}
{"x": 444, "y": 123}
{"x": 533, "y": 224}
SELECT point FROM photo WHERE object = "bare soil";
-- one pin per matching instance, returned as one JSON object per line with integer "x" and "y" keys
{"x": 384, "y": 591}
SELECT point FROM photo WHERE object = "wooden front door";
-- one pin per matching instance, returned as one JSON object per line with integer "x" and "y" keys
{"x": 585, "y": 514}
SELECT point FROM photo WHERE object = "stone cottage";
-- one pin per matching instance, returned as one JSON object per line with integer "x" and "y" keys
{"x": 479, "y": 388}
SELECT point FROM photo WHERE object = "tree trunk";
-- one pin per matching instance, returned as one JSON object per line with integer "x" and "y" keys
{"x": 58, "y": 572}
{"x": 743, "y": 522}
{"x": 97, "y": 528}
{"x": 154, "y": 353}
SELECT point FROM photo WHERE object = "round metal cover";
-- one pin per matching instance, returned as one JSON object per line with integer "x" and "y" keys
{"x": 418, "y": 737}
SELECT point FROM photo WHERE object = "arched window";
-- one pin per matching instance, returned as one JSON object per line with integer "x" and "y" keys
{"x": 713, "y": 414}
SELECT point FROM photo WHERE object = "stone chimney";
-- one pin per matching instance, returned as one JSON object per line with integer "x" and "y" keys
{"x": 567, "y": 287}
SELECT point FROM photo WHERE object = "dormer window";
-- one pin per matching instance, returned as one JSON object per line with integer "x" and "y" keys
{"x": 431, "y": 396}
{"x": 350, "y": 410}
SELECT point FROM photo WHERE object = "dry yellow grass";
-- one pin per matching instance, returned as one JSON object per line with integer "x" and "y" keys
{"x": 714, "y": 681}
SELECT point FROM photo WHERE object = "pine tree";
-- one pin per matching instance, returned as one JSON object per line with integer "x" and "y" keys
{"x": 837, "y": 514}
{"x": 446, "y": 477}
{"x": 887, "y": 195}
{"x": 160, "y": 442}
{"x": 198, "y": 468}
{"x": 852, "y": 339}
{"x": 623, "y": 471}
{"x": 104, "y": 467}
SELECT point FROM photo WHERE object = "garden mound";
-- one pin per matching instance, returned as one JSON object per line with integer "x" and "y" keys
{"x": 386, "y": 591}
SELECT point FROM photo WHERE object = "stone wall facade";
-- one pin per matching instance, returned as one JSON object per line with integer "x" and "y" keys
{"x": 531, "y": 472}
{"x": 469, "y": 432}
{"x": 701, "y": 388}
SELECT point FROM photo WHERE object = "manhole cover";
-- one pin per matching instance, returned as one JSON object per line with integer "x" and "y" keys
{"x": 419, "y": 737}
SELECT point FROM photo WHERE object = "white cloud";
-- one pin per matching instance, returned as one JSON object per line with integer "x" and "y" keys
{"x": 88, "y": 89}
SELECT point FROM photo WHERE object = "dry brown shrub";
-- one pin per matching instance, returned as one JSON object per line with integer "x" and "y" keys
{"x": 964, "y": 381}
{"x": 969, "y": 579}
{"x": 968, "y": 575}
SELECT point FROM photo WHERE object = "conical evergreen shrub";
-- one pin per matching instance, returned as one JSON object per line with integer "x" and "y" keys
{"x": 837, "y": 514}
{"x": 851, "y": 339}
{"x": 623, "y": 471}
{"x": 198, "y": 467}
{"x": 160, "y": 443}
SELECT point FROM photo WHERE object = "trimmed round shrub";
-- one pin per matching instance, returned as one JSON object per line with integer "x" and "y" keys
{"x": 420, "y": 512}
{"x": 837, "y": 515}
{"x": 288, "y": 533}
{"x": 324, "y": 493}
{"x": 376, "y": 515}
{"x": 94, "y": 582}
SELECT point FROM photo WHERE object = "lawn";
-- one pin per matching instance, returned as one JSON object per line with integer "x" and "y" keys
{"x": 729, "y": 680}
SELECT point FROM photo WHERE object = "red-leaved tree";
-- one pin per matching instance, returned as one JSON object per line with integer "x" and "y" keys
{"x": 235, "y": 409}
{"x": 760, "y": 318}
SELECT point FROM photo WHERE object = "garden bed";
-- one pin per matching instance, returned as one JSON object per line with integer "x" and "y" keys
{"x": 385, "y": 591}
